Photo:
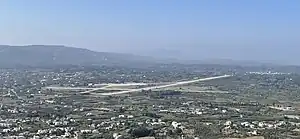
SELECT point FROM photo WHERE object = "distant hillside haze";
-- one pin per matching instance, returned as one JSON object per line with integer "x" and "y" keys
{"x": 56, "y": 55}
{"x": 45, "y": 55}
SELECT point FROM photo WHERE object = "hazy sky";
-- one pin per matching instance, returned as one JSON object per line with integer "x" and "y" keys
{"x": 267, "y": 30}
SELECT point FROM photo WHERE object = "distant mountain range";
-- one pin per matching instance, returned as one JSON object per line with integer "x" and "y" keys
{"x": 47, "y": 55}
{"x": 50, "y": 55}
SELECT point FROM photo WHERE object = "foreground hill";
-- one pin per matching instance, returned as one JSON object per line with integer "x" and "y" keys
{"x": 42, "y": 55}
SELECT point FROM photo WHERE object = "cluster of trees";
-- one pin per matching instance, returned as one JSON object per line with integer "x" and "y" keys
{"x": 142, "y": 132}
{"x": 207, "y": 132}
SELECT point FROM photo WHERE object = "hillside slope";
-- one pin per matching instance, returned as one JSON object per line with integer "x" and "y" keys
{"x": 45, "y": 55}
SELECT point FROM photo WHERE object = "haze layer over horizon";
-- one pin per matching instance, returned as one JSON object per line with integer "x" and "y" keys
{"x": 241, "y": 30}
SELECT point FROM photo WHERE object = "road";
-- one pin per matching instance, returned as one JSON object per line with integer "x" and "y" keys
{"x": 84, "y": 88}
{"x": 159, "y": 87}
{"x": 69, "y": 88}
{"x": 120, "y": 85}
{"x": 15, "y": 93}
{"x": 105, "y": 87}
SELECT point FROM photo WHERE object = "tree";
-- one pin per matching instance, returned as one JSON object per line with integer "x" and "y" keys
{"x": 142, "y": 132}
{"x": 122, "y": 110}
{"x": 207, "y": 132}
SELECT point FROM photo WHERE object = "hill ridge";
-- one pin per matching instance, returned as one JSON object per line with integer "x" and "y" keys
{"x": 37, "y": 55}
